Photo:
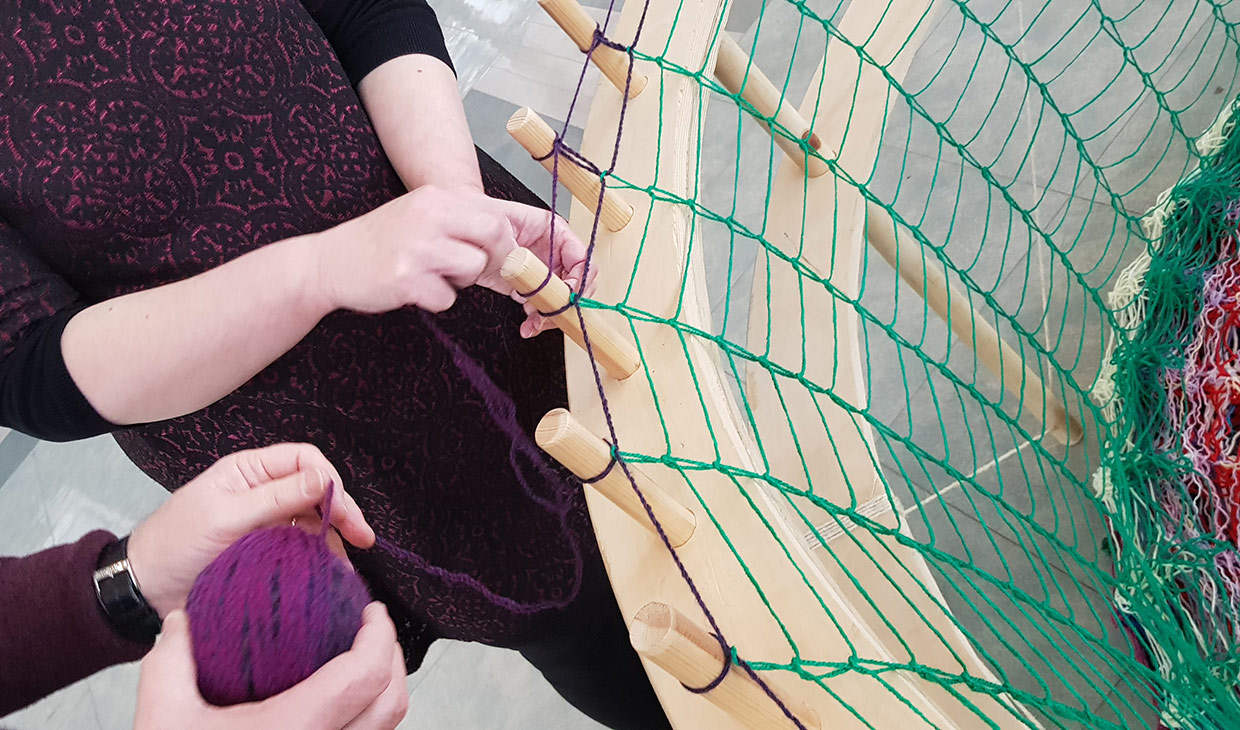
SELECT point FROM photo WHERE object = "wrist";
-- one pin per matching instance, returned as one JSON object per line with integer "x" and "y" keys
{"x": 309, "y": 261}
{"x": 120, "y": 597}
{"x": 146, "y": 575}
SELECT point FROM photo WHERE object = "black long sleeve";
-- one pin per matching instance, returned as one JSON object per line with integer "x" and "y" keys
{"x": 368, "y": 33}
{"x": 37, "y": 394}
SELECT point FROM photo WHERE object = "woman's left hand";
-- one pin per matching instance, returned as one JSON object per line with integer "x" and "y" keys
{"x": 237, "y": 495}
{"x": 563, "y": 252}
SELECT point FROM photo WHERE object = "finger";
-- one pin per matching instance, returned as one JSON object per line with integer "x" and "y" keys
{"x": 435, "y": 294}
{"x": 336, "y": 545}
{"x": 572, "y": 250}
{"x": 281, "y": 460}
{"x": 312, "y": 524}
{"x": 534, "y": 324}
{"x": 278, "y": 502}
{"x": 348, "y": 519}
{"x": 533, "y": 226}
{"x": 271, "y": 463}
{"x": 169, "y": 677}
{"x": 346, "y": 686}
{"x": 390, "y": 708}
{"x": 492, "y": 232}
{"x": 573, "y": 277}
{"x": 287, "y": 459}
{"x": 461, "y": 263}
{"x": 591, "y": 279}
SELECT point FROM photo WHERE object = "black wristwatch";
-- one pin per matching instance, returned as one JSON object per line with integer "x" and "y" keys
{"x": 120, "y": 598}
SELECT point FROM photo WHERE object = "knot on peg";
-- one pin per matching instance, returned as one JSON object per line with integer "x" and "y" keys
{"x": 611, "y": 464}
{"x": 572, "y": 302}
{"x": 602, "y": 40}
{"x": 723, "y": 673}
{"x": 559, "y": 147}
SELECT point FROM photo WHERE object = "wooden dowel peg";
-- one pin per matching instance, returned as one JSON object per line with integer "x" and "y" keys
{"x": 740, "y": 76}
{"x": 970, "y": 327}
{"x": 577, "y": 23}
{"x": 569, "y": 442}
{"x": 537, "y": 137}
{"x": 613, "y": 351}
{"x": 692, "y": 655}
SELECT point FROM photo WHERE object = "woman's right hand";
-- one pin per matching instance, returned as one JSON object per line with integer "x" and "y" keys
{"x": 421, "y": 247}
{"x": 362, "y": 689}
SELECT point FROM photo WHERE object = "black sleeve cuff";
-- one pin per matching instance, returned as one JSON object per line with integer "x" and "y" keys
{"x": 37, "y": 394}
{"x": 366, "y": 35}
{"x": 410, "y": 30}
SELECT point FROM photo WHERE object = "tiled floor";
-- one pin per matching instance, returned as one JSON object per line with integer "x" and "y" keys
{"x": 509, "y": 55}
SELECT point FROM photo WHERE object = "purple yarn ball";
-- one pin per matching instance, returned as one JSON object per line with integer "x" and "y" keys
{"x": 268, "y": 612}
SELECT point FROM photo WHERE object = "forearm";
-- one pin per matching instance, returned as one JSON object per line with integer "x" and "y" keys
{"x": 172, "y": 350}
{"x": 415, "y": 106}
{"x": 52, "y": 632}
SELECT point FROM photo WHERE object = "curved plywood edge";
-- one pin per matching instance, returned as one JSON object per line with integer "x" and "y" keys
{"x": 679, "y": 405}
{"x": 808, "y": 438}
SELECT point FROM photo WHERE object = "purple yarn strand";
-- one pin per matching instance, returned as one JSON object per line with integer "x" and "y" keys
{"x": 600, "y": 39}
{"x": 326, "y": 509}
{"x": 504, "y": 413}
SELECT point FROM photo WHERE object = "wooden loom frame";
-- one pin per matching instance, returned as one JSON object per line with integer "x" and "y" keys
{"x": 667, "y": 623}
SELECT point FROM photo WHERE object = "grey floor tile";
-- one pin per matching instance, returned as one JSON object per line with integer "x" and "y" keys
{"x": 1055, "y": 645}
{"x": 743, "y": 14}
{"x": 24, "y": 526}
{"x": 1151, "y": 152}
{"x": 1134, "y": 707}
{"x": 476, "y": 32}
{"x": 72, "y": 708}
{"x": 115, "y": 694}
{"x": 90, "y": 485}
{"x": 476, "y": 686}
{"x": 487, "y": 116}
{"x": 14, "y": 448}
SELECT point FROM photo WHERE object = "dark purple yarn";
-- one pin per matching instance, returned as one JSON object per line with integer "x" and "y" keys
{"x": 268, "y": 612}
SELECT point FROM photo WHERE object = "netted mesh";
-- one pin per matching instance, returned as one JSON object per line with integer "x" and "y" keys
{"x": 1014, "y": 154}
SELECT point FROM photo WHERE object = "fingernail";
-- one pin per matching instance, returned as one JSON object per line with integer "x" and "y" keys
{"x": 315, "y": 487}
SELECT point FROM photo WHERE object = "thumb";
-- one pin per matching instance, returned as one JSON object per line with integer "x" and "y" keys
{"x": 280, "y": 500}
{"x": 169, "y": 679}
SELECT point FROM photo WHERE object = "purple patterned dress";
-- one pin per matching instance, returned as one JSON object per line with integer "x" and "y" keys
{"x": 142, "y": 142}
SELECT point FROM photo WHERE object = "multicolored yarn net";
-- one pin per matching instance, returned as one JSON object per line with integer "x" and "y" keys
{"x": 1018, "y": 156}
{"x": 1173, "y": 483}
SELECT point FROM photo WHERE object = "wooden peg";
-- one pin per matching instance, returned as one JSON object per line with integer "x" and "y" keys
{"x": 537, "y": 137}
{"x": 577, "y": 23}
{"x": 527, "y": 273}
{"x": 692, "y": 655}
{"x": 953, "y": 307}
{"x": 586, "y": 455}
{"x": 740, "y": 76}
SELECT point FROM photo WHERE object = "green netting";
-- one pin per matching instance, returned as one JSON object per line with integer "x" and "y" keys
{"x": 1017, "y": 156}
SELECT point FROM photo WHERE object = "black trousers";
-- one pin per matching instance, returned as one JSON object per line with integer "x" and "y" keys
{"x": 584, "y": 653}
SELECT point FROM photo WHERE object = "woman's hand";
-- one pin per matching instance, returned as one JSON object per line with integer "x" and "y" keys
{"x": 423, "y": 246}
{"x": 237, "y": 495}
{"x": 362, "y": 689}
{"x": 563, "y": 252}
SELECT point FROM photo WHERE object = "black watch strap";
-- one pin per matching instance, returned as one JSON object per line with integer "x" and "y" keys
{"x": 120, "y": 598}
